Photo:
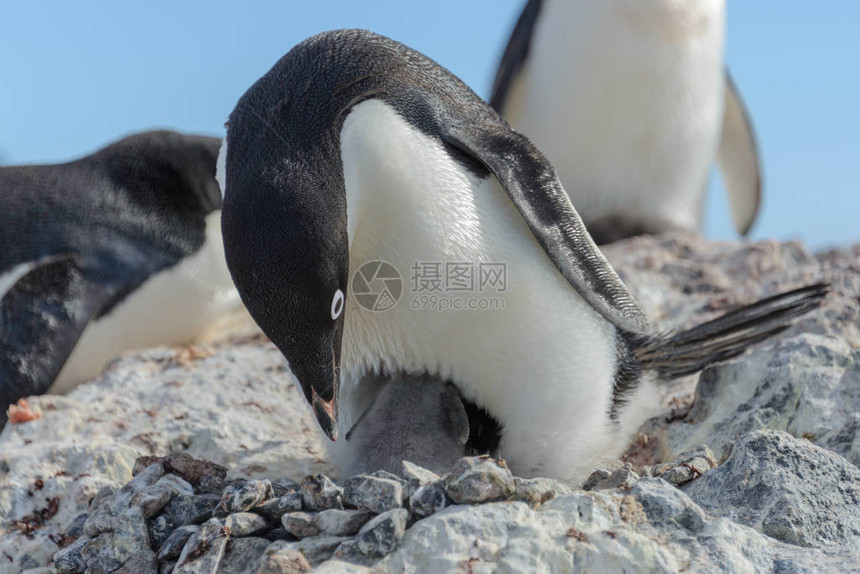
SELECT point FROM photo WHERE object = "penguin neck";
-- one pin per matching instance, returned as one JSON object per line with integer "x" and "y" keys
{"x": 400, "y": 187}
{"x": 407, "y": 201}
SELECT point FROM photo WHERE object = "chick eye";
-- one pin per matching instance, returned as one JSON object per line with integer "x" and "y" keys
{"x": 337, "y": 304}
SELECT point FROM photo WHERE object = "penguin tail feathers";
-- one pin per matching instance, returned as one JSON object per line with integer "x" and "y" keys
{"x": 675, "y": 354}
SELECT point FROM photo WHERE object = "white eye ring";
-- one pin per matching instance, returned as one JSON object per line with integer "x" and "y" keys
{"x": 337, "y": 304}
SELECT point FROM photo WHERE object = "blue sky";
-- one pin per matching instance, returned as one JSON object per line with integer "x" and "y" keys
{"x": 75, "y": 76}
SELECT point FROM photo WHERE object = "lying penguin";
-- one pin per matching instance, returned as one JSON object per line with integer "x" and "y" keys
{"x": 118, "y": 250}
{"x": 631, "y": 103}
{"x": 354, "y": 148}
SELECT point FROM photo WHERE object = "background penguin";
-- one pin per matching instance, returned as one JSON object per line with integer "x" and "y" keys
{"x": 118, "y": 250}
{"x": 355, "y": 148}
{"x": 631, "y": 103}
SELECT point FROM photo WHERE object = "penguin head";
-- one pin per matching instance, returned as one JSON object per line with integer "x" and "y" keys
{"x": 285, "y": 234}
{"x": 166, "y": 170}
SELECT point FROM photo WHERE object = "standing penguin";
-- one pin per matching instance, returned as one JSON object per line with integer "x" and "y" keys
{"x": 631, "y": 102}
{"x": 354, "y": 148}
{"x": 118, "y": 250}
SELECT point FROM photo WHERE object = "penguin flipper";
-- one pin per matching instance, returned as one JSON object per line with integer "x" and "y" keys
{"x": 739, "y": 160}
{"x": 41, "y": 318}
{"x": 534, "y": 188}
{"x": 515, "y": 54}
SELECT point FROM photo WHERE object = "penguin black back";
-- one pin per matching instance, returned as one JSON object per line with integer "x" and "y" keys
{"x": 154, "y": 187}
{"x": 77, "y": 238}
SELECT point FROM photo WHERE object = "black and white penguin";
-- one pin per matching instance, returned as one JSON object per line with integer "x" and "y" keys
{"x": 117, "y": 250}
{"x": 354, "y": 148}
{"x": 631, "y": 102}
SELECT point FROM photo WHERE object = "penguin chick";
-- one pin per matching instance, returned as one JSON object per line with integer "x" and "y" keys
{"x": 631, "y": 101}
{"x": 416, "y": 418}
{"x": 115, "y": 251}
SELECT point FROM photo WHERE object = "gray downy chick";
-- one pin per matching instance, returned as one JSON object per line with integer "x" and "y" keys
{"x": 418, "y": 418}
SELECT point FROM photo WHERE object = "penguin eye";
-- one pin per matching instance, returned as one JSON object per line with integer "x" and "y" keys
{"x": 337, "y": 304}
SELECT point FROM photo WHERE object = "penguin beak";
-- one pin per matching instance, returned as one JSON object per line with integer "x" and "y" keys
{"x": 326, "y": 413}
{"x": 320, "y": 385}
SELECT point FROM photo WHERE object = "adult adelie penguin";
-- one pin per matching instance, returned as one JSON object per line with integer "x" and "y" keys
{"x": 631, "y": 102}
{"x": 117, "y": 250}
{"x": 354, "y": 148}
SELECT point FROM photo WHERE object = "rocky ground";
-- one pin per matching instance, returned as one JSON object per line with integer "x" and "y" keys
{"x": 785, "y": 499}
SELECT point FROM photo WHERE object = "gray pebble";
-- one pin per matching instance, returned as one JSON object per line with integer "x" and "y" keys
{"x": 687, "y": 467}
{"x": 388, "y": 475}
{"x": 101, "y": 520}
{"x": 242, "y": 555}
{"x": 348, "y": 551}
{"x": 193, "y": 509}
{"x": 69, "y": 559}
{"x": 245, "y": 524}
{"x": 281, "y": 486}
{"x": 244, "y": 495}
{"x": 596, "y": 477}
{"x": 341, "y": 522}
{"x": 320, "y": 493}
{"x": 173, "y": 545}
{"x": 416, "y": 477}
{"x": 204, "y": 550}
{"x": 283, "y": 558}
{"x": 277, "y": 507}
{"x": 142, "y": 562}
{"x": 101, "y": 566}
{"x": 147, "y": 477}
{"x": 317, "y": 548}
{"x": 381, "y": 535}
{"x": 405, "y": 491}
{"x": 76, "y": 527}
{"x": 621, "y": 478}
{"x": 371, "y": 493}
{"x": 479, "y": 479}
{"x": 99, "y": 551}
{"x": 176, "y": 483}
{"x": 419, "y": 474}
{"x": 160, "y": 529}
{"x": 130, "y": 536}
{"x": 300, "y": 524}
{"x": 211, "y": 484}
{"x": 428, "y": 499}
{"x": 152, "y": 499}
{"x": 101, "y": 496}
{"x": 537, "y": 491}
